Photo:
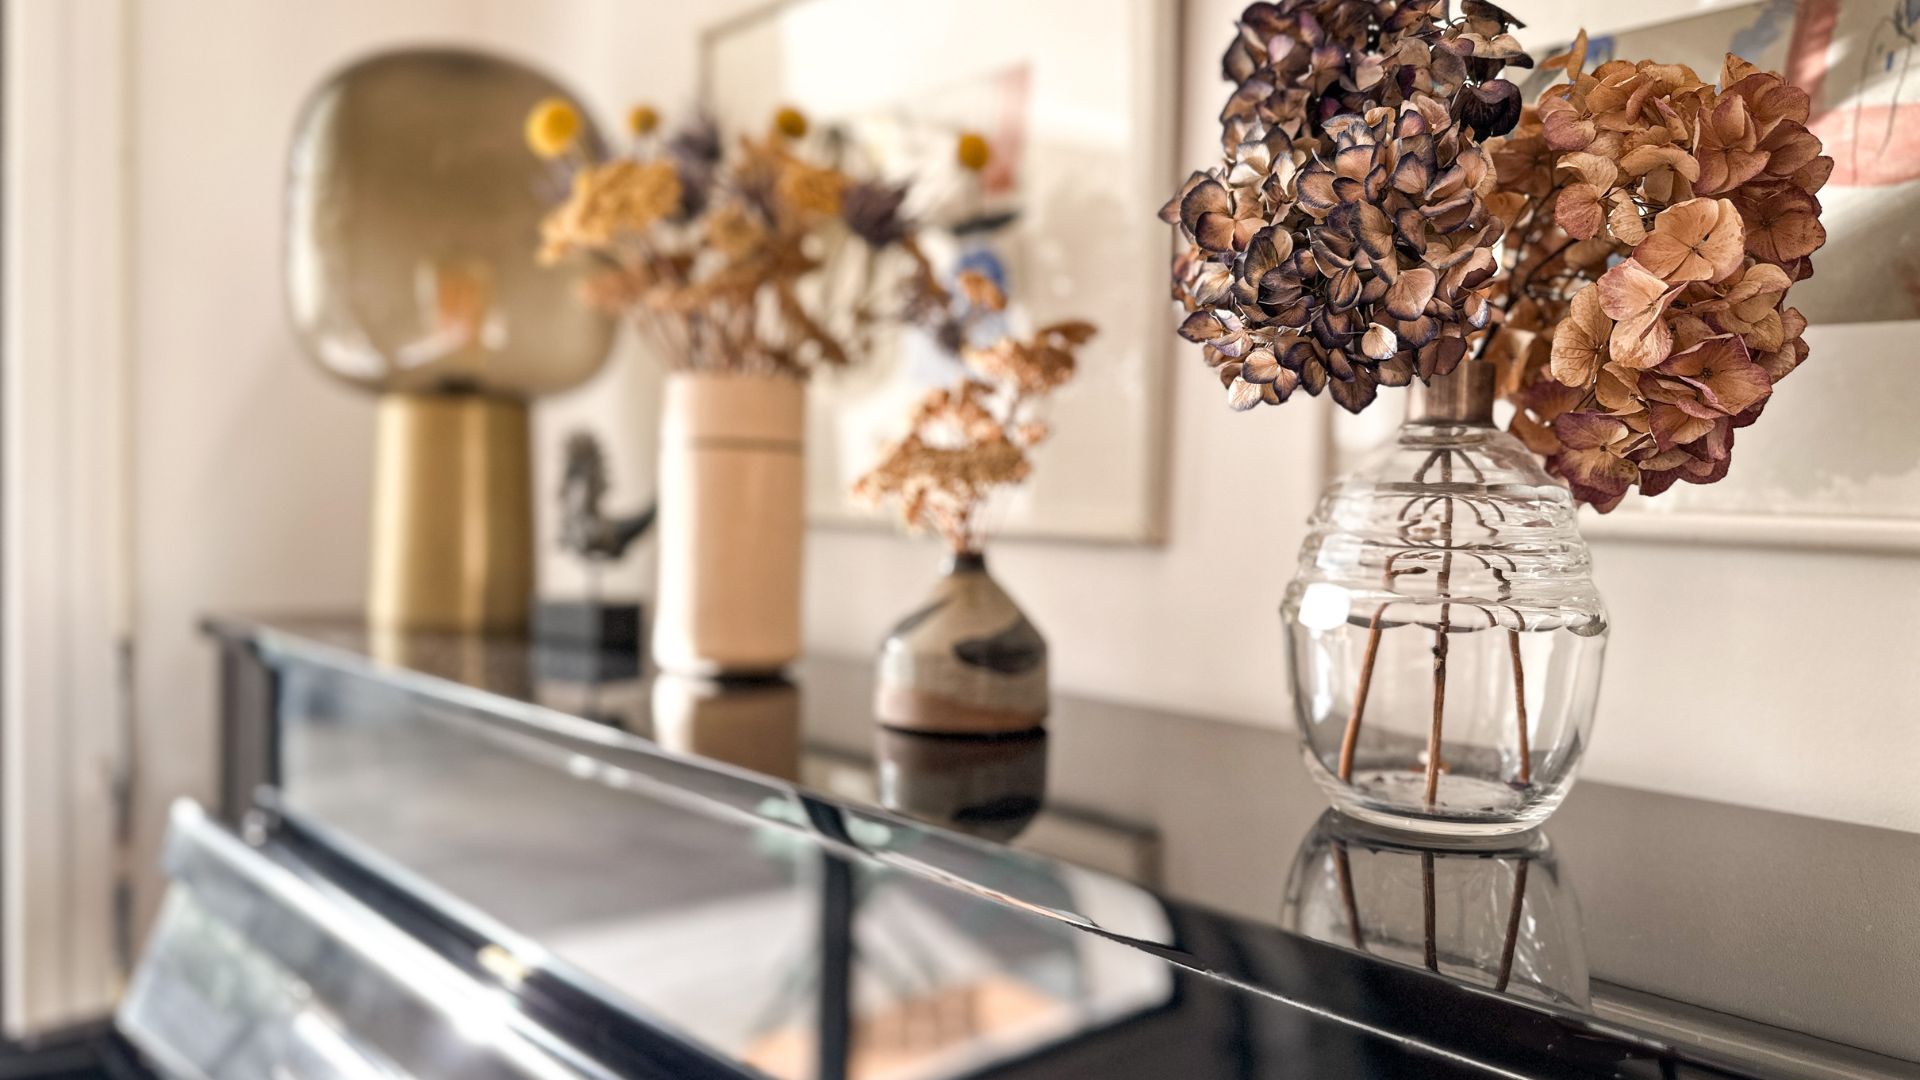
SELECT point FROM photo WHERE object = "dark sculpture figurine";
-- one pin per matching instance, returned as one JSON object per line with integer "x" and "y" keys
{"x": 585, "y": 529}
{"x": 592, "y": 627}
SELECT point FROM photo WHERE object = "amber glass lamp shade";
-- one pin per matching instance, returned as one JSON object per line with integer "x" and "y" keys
{"x": 413, "y": 216}
{"x": 413, "y": 221}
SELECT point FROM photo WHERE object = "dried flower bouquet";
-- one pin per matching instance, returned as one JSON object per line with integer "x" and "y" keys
{"x": 1656, "y": 224}
{"x": 764, "y": 257}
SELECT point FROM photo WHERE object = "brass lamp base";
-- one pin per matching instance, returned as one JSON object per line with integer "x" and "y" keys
{"x": 452, "y": 514}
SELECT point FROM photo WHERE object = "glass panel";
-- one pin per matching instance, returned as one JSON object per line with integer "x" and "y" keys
{"x": 710, "y": 903}
{"x": 1065, "y": 825}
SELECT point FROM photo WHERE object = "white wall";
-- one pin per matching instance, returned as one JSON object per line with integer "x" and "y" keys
{"x": 252, "y": 471}
{"x": 1768, "y": 677}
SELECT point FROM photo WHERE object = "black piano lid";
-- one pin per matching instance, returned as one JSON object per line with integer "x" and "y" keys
{"x": 1652, "y": 935}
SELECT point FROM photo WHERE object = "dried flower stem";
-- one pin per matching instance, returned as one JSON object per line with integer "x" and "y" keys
{"x": 1427, "y": 911}
{"x": 1514, "y": 907}
{"x": 1440, "y": 632}
{"x": 1521, "y": 288}
{"x": 1351, "y": 739}
{"x": 1520, "y": 707}
{"x": 1343, "y": 870}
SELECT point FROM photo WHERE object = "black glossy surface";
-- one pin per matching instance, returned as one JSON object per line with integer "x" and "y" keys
{"x": 92, "y": 1052}
{"x": 1644, "y": 935}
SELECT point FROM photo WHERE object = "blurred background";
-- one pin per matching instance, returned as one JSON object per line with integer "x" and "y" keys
{"x": 170, "y": 451}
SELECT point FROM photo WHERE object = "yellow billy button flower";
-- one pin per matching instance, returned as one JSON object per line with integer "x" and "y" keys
{"x": 642, "y": 119}
{"x": 972, "y": 151}
{"x": 790, "y": 122}
{"x": 552, "y": 127}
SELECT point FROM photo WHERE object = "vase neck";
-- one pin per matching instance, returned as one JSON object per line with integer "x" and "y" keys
{"x": 1462, "y": 396}
{"x": 967, "y": 562}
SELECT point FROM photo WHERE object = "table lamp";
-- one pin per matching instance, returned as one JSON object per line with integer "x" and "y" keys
{"x": 413, "y": 213}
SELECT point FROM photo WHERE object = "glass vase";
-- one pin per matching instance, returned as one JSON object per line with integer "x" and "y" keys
{"x": 1444, "y": 635}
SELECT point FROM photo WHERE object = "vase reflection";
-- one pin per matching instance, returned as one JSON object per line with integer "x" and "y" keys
{"x": 1505, "y": 919}
{"x": 751, "y": 723}
{"x": 989, "y": 786}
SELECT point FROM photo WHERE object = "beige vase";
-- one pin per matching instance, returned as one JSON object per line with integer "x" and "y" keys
{"x": 731, "y": 524}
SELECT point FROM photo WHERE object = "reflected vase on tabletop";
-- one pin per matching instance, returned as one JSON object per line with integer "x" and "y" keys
{"x": 986, "y": 786}
{"x": 968, "y": 661}
{"x": 1444, "y": 635}
{"x": 1507, "y": 919}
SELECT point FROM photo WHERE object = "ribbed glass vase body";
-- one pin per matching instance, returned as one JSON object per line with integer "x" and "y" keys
{"x": 1444, "y": 636}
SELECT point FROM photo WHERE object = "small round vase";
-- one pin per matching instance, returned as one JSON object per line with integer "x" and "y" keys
{"x": 966, "y": 662}
{"x": 1444, "y": 635}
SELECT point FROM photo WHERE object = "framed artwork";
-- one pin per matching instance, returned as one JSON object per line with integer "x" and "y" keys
{"x": 1837, "y": 461}
{"x": 1076, "y": 103}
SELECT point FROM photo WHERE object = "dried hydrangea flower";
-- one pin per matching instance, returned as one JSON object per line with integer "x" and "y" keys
{"x": 1346, "y": 241}
{"x": 1033, "y": 367}
{"x": 1621, "y": 252}
{"x": 1663, "y": 222}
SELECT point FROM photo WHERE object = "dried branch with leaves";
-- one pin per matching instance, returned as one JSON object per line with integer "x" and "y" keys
{"x": 969, "y": 440}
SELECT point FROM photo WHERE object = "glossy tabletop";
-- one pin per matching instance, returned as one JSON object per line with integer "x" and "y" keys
{"x": 792, "y": 890}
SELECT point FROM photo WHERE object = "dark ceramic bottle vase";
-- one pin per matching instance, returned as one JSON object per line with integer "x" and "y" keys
{"x": 966, "y": 662}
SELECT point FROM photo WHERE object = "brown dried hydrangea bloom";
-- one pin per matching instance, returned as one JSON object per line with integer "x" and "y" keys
{"x": 1657, "y": 224}
{"x": 967, "y": 441}
{"x": 1622, "y": 251}
{"x": 1346, "y": 242}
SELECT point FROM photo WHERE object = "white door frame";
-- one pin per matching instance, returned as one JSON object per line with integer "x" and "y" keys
{"x": 64, "y": 568}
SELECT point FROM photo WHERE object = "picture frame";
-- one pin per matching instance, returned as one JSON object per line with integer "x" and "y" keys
{"x": 1063, "y": 217}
